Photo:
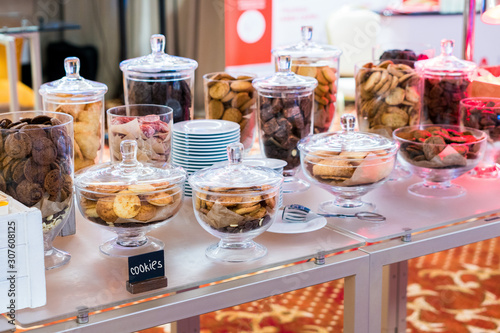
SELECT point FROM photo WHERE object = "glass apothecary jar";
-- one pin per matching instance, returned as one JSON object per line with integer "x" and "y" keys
{"x": 235, "y": 202}
{"x": 322, "y": 63}
{"x": 445, "y": 82}
{"x": 159, "y": 78}
{"x": 84, "y": 100}
{"x": 285, "y": 113}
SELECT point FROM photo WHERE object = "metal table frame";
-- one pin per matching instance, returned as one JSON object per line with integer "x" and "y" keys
{"x": 185, "y": 306}
{"x": 396, "y": 252}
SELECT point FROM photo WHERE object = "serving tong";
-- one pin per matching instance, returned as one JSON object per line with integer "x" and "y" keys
{"x": 300, "y": 214}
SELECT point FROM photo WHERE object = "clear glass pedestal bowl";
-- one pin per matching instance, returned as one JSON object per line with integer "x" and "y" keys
{"x": 438, "y": 154}
{"x": 130, "y": 199}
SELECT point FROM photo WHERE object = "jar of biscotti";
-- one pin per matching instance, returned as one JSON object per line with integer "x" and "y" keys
{"x": 322, "y": 63}
{"x": 159, "y": 78}
{"x": 84, "y": 100}
{"x": 285, "y": 113}
{"x": 446, "y": 79}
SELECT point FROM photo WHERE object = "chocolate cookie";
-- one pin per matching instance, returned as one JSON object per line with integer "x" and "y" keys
{"x": 34, "y": 172}
{"x": 18, "y": 145}
{"x": 44, "y": 151}
{"x": 53, "y": 182}
{"x": 29, "y": 193}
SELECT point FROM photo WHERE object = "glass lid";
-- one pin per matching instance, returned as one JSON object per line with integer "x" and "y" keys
{"x": 446, "y": 63}
{"x": 158, "y": 61}
{"x": 346, "y": 140}
{"x": 73, "y": 86}
{"x": 308, "y": 48}
{"x": 236, "y": 175}
{"x": 285, "y": 79}
{"x": 128, "y": 172}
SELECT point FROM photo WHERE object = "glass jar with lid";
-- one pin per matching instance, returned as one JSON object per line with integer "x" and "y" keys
{"x": 159, "y": 78}
{"x": 84, "y": 100}
{"x": 236, "y": 203}
{"x": 348, "y": 164}
{"x": 446, "y": 79}
{"x": 285, "y": 113}
{"x": 130, "y": 198}
{"x": 322, "y": 63}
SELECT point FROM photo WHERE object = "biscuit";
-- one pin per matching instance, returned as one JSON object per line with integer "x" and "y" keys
{"x": 29, "y": 193}
{"x": 44, "y": 151}
{"x": 218, "y": 90}
{"x": 126, "y": 204}
{"x": 240, "y": 99}
{"x": 53, "y": 182}
{"x": 232, "y": 114}
{"x": 18, "y": 145}
{"x": 307, "y": 71}
{"x": 241, "y": 86}
{"x": 160, "y": 199}
{"x": 333, "y": 168}
{"x": 104, "y": 208}
{"x": 141, "y": 188}
{"x": 215, "y": 109}
{"x": 146, "y": 212}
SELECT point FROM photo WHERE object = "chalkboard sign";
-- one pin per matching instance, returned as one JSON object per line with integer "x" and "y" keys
{"x": 146, "y": 266}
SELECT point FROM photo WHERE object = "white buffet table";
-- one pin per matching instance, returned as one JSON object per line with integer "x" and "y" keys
{"x": 97, "y": 282}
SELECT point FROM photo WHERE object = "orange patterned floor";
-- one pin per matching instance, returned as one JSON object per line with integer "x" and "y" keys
{"x": 454, "y": 291}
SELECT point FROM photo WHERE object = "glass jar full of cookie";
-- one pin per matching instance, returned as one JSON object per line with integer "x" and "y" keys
{"x": 446, "y": 81}
{"x": 285, "y": 112}
{"x": 232, "y": 97}
{"x": 322, "y": 63}
{"x": 162, "y": 79}
{"x": 84, "y": 100}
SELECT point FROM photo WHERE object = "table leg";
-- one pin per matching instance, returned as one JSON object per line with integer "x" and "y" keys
{"x": 188, "y": 325}
{"x": 356, "y": 303}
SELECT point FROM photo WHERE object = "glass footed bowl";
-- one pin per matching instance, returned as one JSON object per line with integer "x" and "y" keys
{"x": 236, "y": 216}
{"x": 348, "y": 176}
{"x": 439, "y": 154}
{"x": 130, "y": 199}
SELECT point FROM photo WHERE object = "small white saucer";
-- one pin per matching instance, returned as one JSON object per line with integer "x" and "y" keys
{"x": 281, "y": 227}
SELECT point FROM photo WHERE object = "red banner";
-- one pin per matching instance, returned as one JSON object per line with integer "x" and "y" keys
{"x": 248, "y": 31}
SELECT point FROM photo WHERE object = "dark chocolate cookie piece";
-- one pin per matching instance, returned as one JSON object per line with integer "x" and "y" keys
{"x": 34, "y": 172}
{"x": 29, "y": 193}
{"x": 44, "y": 151}
{"x": 18, "y": 145}
{"x": 53, "y": 182}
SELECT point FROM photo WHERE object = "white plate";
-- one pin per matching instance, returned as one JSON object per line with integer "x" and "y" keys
{"x": 204, "y": 145}
{"x": 199, "y": 159}
{"x": 205, "y": 137}
{"x": 195, "y": 156}
{"x": 205, "y": 151}
{"x": 281, "y": 227}
{"x": 205, "y": 126}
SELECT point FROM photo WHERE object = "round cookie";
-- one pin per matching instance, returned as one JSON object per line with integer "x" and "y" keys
{"x": 29, "y": 193}
{"x": 44, "y": 151}
{"x": 104, "y": 208}
{"x": 53, "y": 182}
{"x": 18, "y": 145}
{"x": 35, "y": 173}
{"x": 159, "y": 199}
{"x": 126, "y": 204}
{"x": 146, "y": 212}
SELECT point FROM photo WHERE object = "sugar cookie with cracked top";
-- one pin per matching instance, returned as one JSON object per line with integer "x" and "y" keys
{"x": 126, "y": 204}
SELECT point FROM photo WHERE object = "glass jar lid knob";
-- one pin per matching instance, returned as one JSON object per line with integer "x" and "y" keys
{"x": 348, "y": 122}
{"x": 284, "y": 63}
{"x": 72, "y": 67}
{"x": 129, "y": 164}
{"x": 447, "y": 47}
{"x": 235, "y": 153}
{"x": 307, "y": 33}
{"x": 157, "y": 42}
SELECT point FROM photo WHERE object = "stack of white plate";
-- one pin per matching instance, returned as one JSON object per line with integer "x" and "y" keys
{"x": 198, "y": 144}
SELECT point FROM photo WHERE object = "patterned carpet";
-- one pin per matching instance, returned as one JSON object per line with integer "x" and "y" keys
{"x": 454, "y": 291}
